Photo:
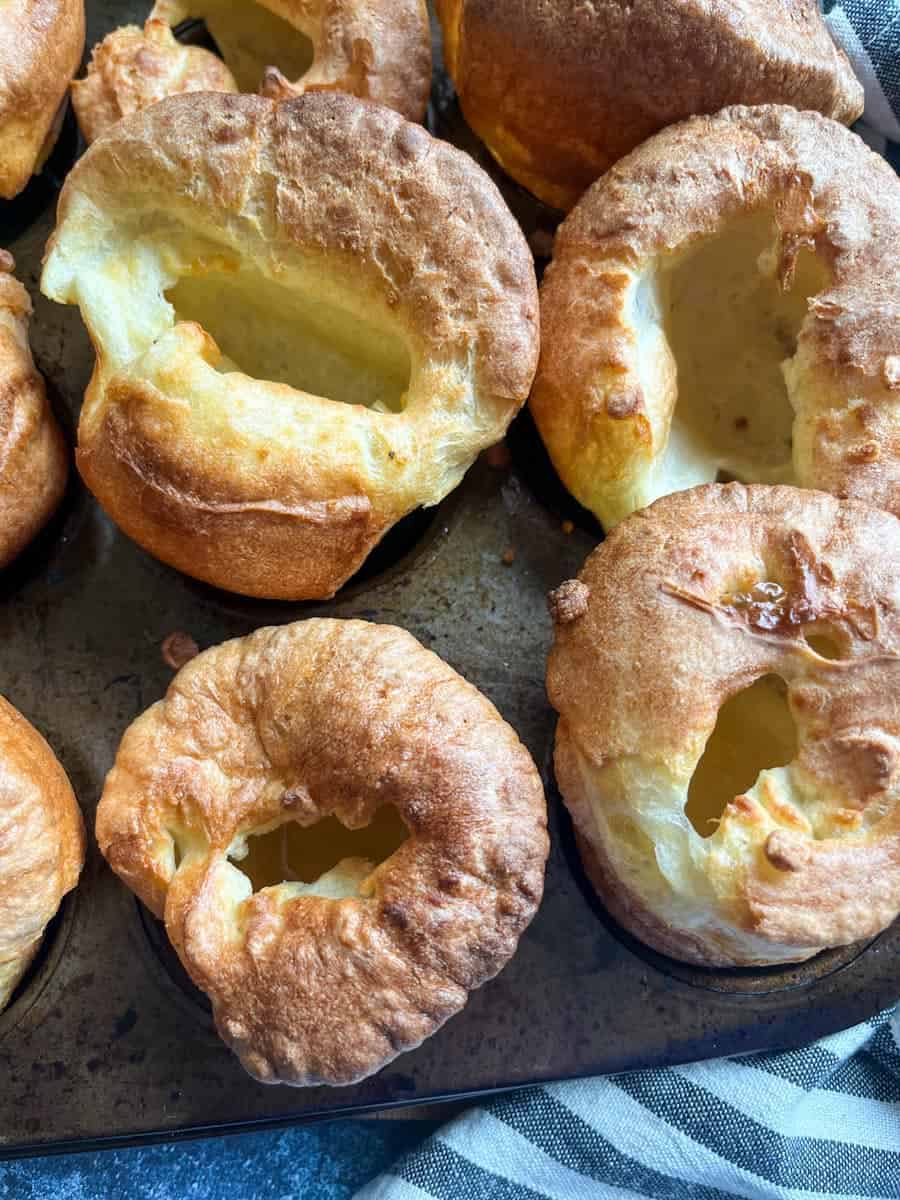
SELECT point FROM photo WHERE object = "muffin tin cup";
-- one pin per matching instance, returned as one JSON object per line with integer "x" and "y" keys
{"x": 41, "y": 968}
{"x": 107, "y": 1040}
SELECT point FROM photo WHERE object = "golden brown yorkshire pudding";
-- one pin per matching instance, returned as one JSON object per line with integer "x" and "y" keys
{"x": 726, "y": 300}
{"x": 314, "y": 724}
{"x": 33, "y": 459}
{"x": 560, "y": 90}
{"x": 133, "y": 68}
{"x": 375, "y": 49}
{"x": 41, "y": 843}
{"x": 736, "y": 648}
{"x": 237, "y": 262}
{"x": 41, "y": 42}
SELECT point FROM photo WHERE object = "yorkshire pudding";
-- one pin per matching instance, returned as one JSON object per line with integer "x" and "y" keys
{"x": 41, "y": 42}
{"x": 559, "y": 91}
{"x": 237, "y": 262}
{"x": 41, "y": 843}
{"x": 736, "y": 648}
{"x": 726, "y": 300}
{"x": 375, "y": 49}
{"x": 133, "y": 68}
{"x": 326, "y": 981}
{"x": 33, "y": 459}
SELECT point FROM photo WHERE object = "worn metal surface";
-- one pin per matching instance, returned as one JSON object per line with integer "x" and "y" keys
{"x": 107, "y": 1039}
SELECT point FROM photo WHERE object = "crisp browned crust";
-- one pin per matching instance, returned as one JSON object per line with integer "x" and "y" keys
{"x": 809, "y": 857}
{"x": 133, "y": 68}
{"x": 41, "y": 42}
{"x": 41, "y": 843}
{"x": 824, "y": 189}
{"x": 610, "y": 74}
{"x": 298, "y": 723}
{"x": 414, "y": 234}
{"x": 376, "y": 49}
{"x": 33, "y": 459}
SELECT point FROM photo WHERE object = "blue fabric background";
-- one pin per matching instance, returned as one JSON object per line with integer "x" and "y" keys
{"x": 319, "y": 1162}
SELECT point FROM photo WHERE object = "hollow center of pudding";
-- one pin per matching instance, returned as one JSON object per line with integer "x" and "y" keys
{"x": 327, "y": 854}
{"x": 754, "y": 732}
{"x": 730, "y": 326}
{"x": 301, "y": 339}
{"x": 250, "y": 38}
{"x": 824, "y": 645}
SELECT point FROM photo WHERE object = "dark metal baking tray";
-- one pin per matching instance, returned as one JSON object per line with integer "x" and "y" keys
{"x": 107, "y": 1042}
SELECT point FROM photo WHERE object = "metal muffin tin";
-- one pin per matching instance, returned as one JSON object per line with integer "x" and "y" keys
{"x": 106, "y": 1041}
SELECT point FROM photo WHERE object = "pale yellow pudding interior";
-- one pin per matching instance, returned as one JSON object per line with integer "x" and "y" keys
{"x": 824, "y": 646}
{"x": 251, "y": 38}
{"x": 754, "y": 732}
{"x": 356, "y": 394}
{"x": 327, "y": 857}
{"x": 720, "y": 311}
{"x": 297, "y": 338}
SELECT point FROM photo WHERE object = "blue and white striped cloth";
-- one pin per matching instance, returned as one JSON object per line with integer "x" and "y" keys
{"x": 819, "y": 1122}
{"x": 869, "y": 31}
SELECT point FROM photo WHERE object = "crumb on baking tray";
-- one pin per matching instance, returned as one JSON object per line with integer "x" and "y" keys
{"x": 178, "y": 648}
{"x": 568, "y": 602}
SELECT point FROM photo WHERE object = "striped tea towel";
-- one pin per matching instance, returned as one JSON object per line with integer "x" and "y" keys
{"x": 819, "y": 1122}
{"x": 869, "y": 31}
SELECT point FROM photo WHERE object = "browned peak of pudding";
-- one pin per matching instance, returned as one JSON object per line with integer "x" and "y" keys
{"x": 378, "y": 50}
{"x": 41, "y": 843}
{"x": 309, "y": 317}
{"x": 724, "y": 303}
{"x": 41, "y": 43}
{"x": 729, "y": 735}
{"x": 559, "y": 91}
{"x": 342, "y": 836}
{"x": 133, "y": 68}
{"x": 33, "y": 457}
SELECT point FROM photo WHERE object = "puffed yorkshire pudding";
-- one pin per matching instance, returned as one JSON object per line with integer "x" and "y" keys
{"x": 133, "y": 68}
{"x": 41, "y": 843}
{"x": 736, "y": 647}
{"x": 331, "y": 249}
{"x": 375, "y": 49}
{"x": 41, "y": 42}
{"x": 33, "y": 459}
{"x": 726, "y": 301}
{"x": 559, "y": 91}
{"x": 328, "y": 980}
